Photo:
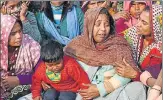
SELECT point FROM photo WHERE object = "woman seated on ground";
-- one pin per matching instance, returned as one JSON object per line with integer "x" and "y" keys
{"x": 110, "y": 5}
{"x": 97, "y": 50}
{"x": 60, "y": 21}
{"x": 19, "y": 55}
{"x": 129, "y": 17}
{"x": 19, "y": 9}
{"x": 146, "y": 41}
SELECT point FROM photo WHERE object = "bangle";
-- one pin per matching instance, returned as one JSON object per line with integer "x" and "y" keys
{"x": 156, "y": 89}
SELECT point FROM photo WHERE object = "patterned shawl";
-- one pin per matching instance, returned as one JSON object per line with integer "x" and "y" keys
{"x": 29, "y": 51}
{"x": 135, "y": 40}
{"x": 84, "y": 49}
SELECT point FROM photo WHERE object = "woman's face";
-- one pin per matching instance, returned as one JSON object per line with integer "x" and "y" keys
{"x": 13, "y": 7}
{"x": 143, "y": 26}
{"x": 101, "y": 28}
{"x": 15, "y": 37}
{"x": 136, "y": 9}
{"x": 57, "y": 3}
{"x": 94, "y": 4}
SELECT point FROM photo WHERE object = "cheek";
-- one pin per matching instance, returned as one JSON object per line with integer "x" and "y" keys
{"x": 142, "y": 8}
{"x": 146, "y": 30}
{"x": 11, "y": 40}
{"x": 108, "y": 31}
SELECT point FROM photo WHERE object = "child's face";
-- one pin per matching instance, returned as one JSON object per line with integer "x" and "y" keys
{"x": 55, "y": 67}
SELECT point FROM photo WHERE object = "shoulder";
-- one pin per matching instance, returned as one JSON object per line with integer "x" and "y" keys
{"x": 28, "y": 40}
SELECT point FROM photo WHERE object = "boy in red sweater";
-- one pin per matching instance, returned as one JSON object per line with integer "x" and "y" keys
{"x": 61, "y": 72}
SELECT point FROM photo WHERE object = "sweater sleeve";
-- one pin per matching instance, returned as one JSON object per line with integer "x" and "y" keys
{"x": 114, "y": 82}
{"x": 80, "y": 17}
{"x": 36, "y": 82}
{"x": 30, "y": 27}
{"x": 78, "y": 74}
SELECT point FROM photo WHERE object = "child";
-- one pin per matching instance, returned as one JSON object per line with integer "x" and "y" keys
{"x": 61, "y": 72}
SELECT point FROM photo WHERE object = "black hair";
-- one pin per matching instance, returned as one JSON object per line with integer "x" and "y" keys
{"x": 51, "y": 51}
{"x": 111, "y": 20}
{"x": 20, "y": 22}
{"x": 147, "y": 8}
{"x": 46, "y": 8}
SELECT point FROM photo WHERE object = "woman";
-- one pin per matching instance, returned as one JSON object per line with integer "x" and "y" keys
{"x": 19, "y": 55}
{"x": 129, "y": 17}
{"x": 96, "y": 51}
{"x": 145, "y": 40}
{"x": 19, "y": 9}
{"x": 60, "y": 20}
{"x": 110, "y": 5}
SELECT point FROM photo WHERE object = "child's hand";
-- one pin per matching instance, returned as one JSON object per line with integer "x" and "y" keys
{"x": 45, "y": 86}
{"x": 38, "y": 98}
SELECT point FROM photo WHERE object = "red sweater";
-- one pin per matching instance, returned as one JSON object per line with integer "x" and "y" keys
{"x": 72, "y": 77}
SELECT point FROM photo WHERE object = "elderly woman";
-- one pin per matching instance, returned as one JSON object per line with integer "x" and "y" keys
{"x": 19, "y": 55}
{"x": 97, "y": 50}
{"x": 19, "y": 9}
{"x": 146, "y": 41}
{"x": 60, "y": 21}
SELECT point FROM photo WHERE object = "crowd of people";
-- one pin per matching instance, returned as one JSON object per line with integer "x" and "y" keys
{"x": 81, "y": 50}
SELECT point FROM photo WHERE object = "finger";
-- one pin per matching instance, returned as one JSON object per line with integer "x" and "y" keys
{"x": 119, "y": 65}
{"x": 124, "y": 60}
{"x": 119, "y": 69}
{"x": 86, "y": 84}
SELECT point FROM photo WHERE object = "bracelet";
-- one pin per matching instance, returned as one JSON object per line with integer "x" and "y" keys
{"x": 156, "y": 89}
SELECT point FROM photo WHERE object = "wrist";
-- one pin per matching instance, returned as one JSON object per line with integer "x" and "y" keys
{"x": 156, "y": 87}
{"x": 135, "y": 74}
{"x": 22, "y": 18}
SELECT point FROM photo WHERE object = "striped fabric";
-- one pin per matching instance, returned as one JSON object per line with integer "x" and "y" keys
{"x": 55, "y": 77}
{"x": 57, "y": 13}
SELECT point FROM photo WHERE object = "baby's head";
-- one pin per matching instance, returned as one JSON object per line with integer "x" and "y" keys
{"x": 52, "y": 54}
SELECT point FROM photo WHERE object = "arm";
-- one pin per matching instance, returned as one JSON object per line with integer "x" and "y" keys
{"x": 41, "y": 27}
{"x": 78, "y": 74}
{"x": 30, "y": 27}
{"x": 80, "y": 17}
{"x": 36, "y": 83}
{"x": 110, "y": 85}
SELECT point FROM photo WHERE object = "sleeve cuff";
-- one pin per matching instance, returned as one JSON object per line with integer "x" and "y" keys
{"x": 25, "y": 79}
{"x": 102, "y": 89}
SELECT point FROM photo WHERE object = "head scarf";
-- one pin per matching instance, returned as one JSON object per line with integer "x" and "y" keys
{"x": 126, "y": 7}
{"x": 83, "y": 48}
{"x": 29, "y": 51}
{"x": 135, "y": 40}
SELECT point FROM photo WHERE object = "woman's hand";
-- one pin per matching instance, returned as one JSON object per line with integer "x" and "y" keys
{"x": 24, "y": 9}
{"x": 121, "y": 14}
{"x": 125, "y": 70}
{"x": 10, "y": 82}
{"x": 38, "y": 98}
{"x": 45, "y": 86}
{"x": 154, "y": 92}
{"x": 89, "y": 93}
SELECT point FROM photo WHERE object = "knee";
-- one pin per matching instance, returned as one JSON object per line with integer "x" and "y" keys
{"x": 50, "y": 94}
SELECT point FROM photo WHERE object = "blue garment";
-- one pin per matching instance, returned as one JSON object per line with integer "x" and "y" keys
{"x": 57, "y": 13}
{"x": 52, "y": 94}
{"x": 72, "y": 27}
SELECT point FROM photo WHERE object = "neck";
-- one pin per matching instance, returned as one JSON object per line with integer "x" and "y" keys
{"x": 148, "y": 38}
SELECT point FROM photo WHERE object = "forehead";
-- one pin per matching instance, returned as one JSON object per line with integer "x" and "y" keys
{"x": 134, "y": 3}
{"x": 103, "y": 17}
{"x": 16, "y": 27}
{"x": 12, "y": 3}
{"x": 145, "y": 16}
